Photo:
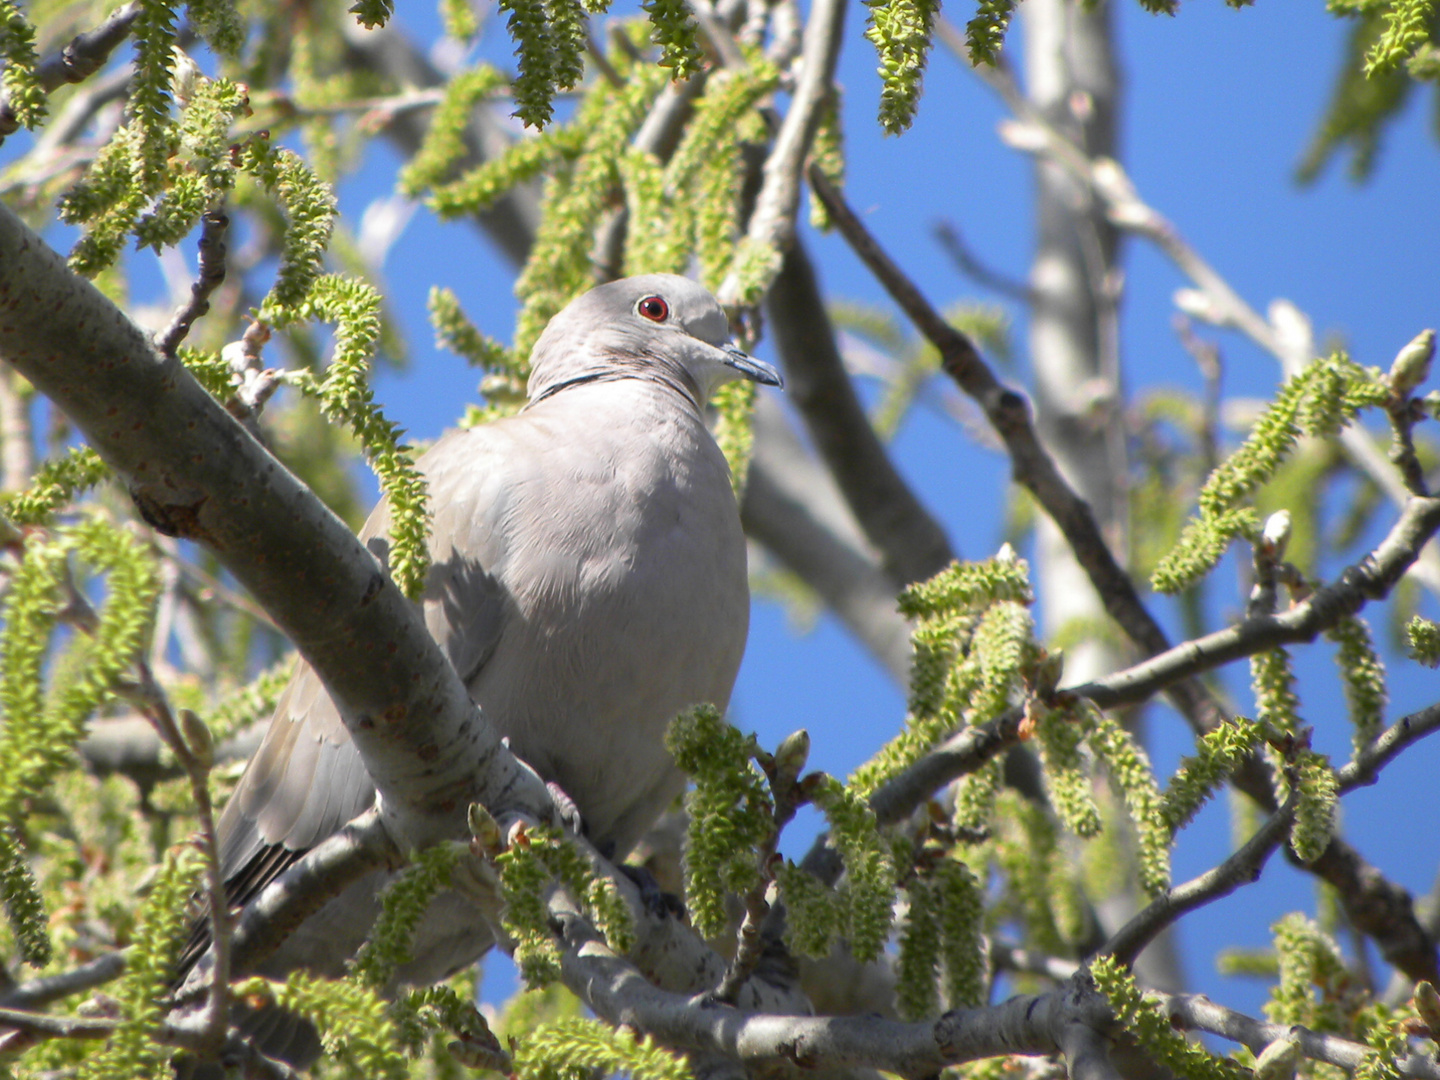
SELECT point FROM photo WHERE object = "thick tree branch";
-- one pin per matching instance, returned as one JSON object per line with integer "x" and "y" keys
{"x": 193, "y": 471}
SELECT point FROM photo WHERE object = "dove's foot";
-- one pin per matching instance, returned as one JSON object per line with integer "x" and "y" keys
{"x": 565, "y": 807}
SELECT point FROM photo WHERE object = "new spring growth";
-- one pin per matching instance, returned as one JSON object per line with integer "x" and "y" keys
{"x": 198, "y": 739}
{"x": 790, "y": 758}
{"x": 1275, "y": 537}
{"x": 1427, "y": 1005}
{"x": 485, "y": 830}
{"x": 1412, "y": 364}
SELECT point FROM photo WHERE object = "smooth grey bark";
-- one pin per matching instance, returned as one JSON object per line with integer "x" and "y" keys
{"x": 1073, "y": 80}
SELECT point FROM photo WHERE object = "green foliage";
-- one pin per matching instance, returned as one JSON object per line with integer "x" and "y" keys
{"x": 1129, "y": 770}
{"x": 962, "y": 919}
{"x": 734, "y": 429}
{"x": 1219, "y": 752}
{"x": 444, "y": 142}
{"x": 1363, "y": 674}
{"x": 947, "y": 669}
{"x": 1317, "y": 401}
{"x": 559, "y": 266}
{"x": 1147, "y": 1023}
{"x": 1317, "y": 792}
{"x": 56, "y": 483}
{"x": 985, "y": 33}
{"x": 345, "y": 397}
{"x": 459, "y": 19}
{"x": 41, "y": 728}
{"x": 943, "y": 924}
{"x": 372, "y": 14}
{"x": 533, "y": 860}
{"x": 402, "y": 905}
{"x": 525, "y": 159}
{"x": 575, "y": 1049}
{"x": 523, "y": 880}
{"x": 24, "y": 94}
{"x": 309, "y": 206}
{"x": 916, "y": 988}
{"x": 219, "y": 23}
{"x": 24, "y": 906}
{"x": 252, "y": 702}
{"x": 150, "y": 91}
{"x": 1423, "y": 637}
{"x": 730, "y": 810}
{"x": 900, "y": 30}
{"x": 358, "y": 1032}
{"x": 1059, "y": 733}
{"x": 548, "y": 57}
{"x": 1312, "y": 971}
{"x": 1387, "y": 1042}
{"x": 160, "y": 931}
{"x": 674, "y": 30}
{"x": 827, "y": 153}
{"x": 1408, "y": 25}
{"x": 1273, "y": 683}
{"x": 869, "y": 867}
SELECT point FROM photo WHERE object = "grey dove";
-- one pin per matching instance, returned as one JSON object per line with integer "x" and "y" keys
{"x": 588, "y": 583}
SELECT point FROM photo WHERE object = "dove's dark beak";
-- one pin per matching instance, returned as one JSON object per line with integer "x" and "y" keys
{"x": 754, "y": 370}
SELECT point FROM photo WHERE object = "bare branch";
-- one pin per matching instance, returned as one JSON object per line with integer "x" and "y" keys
{"x": 213, "y": 224}
{"x": 1241, "y": 868}
{"x": 37, "y": 993}
{"x": 772, "y": 224}
{"x": 82, "y": 57}
{"x": 967, "y": 264}
{"x": 1195, "y": 1012}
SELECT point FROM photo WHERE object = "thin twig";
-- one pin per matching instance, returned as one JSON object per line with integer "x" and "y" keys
{"x": 965, "y": 261}
{"x": 1241, "y": 868}
{"x": 213, "y": 224}
{"x": 196, "y": 760}
{"x": 1195, "y": 1012}
{"x": 82, "y": 57}
{"x": 772, "y": 224}
{"x": 37, "y": 993}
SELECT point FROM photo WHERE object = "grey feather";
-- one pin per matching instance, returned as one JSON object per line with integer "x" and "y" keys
{"x": 588, "y": 583}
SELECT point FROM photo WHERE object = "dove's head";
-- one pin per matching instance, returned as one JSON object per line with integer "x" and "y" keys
{"x": 659, "y": 327}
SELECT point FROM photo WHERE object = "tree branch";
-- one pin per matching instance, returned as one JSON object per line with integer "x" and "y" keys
{"x": 82, "y": 57}
{"x": 772, "y": 224}
{"x": 193, "y": 471}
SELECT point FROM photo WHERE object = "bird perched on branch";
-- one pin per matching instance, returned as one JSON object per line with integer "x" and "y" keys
{"x": 588, "y": 583}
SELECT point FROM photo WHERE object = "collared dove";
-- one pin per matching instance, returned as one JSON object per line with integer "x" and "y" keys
{"x": 588, "y": 584}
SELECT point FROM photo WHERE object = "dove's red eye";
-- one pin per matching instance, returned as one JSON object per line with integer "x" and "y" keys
{"x": 653, "y": 308}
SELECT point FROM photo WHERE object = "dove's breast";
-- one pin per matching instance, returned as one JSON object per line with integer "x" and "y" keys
{"x": 622, "y": 565}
